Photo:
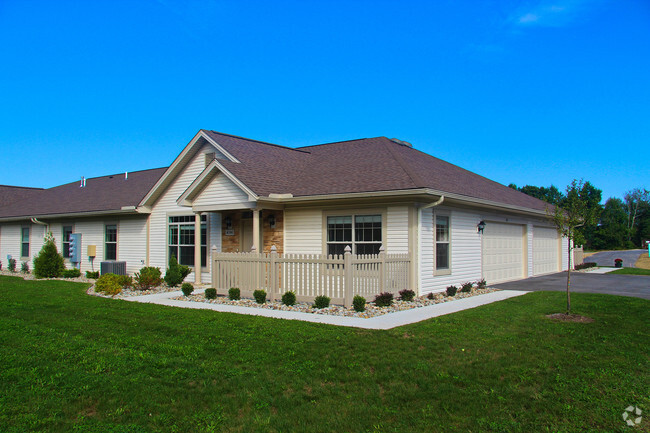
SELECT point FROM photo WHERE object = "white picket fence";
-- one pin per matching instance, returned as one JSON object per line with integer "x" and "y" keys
{"x": 340, "y": 277}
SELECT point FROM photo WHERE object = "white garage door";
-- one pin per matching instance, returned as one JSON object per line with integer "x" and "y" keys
{"x": 503, "y": 252}
{"x": 545, "y": 250}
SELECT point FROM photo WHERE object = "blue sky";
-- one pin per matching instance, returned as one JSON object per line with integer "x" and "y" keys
{"x": 527, "y": 92}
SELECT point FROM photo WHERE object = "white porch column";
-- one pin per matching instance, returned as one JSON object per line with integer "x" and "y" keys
{"x": 256, "y": 230}
{"x": 197, "y": 247}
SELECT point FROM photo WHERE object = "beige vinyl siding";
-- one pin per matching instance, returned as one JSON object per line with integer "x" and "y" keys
{"x": 166, "y": 205}
{"x": 565, "y": 256}
{"x": 465, "y": 244}
{"x": 92, "y": 233}
{"x": 131, "y": 242}
{"x": 10, "y": 244}
{"x": 530, "y": 230}
{"x": 220, "y": 190}
{"x": 303, "y": 231}
{"x": 397, "y": 230}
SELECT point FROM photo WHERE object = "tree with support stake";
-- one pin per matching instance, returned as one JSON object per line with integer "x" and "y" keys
{"x": 573, "y": 213}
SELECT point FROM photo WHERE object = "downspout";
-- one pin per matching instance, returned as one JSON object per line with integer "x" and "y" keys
{"x": 47, "y": 226}
{"x": 419, "y": 245}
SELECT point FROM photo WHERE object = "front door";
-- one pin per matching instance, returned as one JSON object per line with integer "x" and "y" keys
{"x": 246, "y": 233}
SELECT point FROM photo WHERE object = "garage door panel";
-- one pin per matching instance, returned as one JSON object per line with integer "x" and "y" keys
{"x": 503, "y": 252}
{"x": 545, "y": 250}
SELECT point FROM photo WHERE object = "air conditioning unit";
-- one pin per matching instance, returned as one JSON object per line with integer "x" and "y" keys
{"x": 117, "y": 268}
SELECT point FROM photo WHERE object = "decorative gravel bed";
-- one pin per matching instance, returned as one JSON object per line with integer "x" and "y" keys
{"x": 30, "y": 276}
{"x": 126, "y": 293}
{"x": 338, "y": 310}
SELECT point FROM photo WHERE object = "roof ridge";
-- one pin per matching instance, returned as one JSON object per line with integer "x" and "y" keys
{"x": 256, "y": 141}
{"x": 338, "y": 142}
{"x": 23, "y": 187}
{"x": 388, "y": 144}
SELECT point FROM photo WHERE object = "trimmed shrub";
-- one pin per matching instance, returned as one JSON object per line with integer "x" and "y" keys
{"x": 0, "y": 265}
{"x": 108, "y": 284}
{"x": 384, "y": 299}
{"x": 451, "y": 290}
{"x": 481, "y": 284}
{"x": 321, "y": 302}
{"x": 71, "y": 273}
{"x": 585, "y": 265}
{"x": 12, "y": 265}
{"x": 176, "y": 273}
{"x": 406, "y": 295}
{"x": 147, "y": 278}
{"x": 234, "y": 294}
{"x": 125, "y": 281}
{"x": 431, "y": 296}
{"x": 24, "y": 268}
{"x": 210, "y": 293}
{"x": 466, "y": 287}
{"x": 92, "y": 275}
{"x": 359, "y": 304}
{"x": 260, "y": 296}
{"x": 48, "y": 263}
{"x": 187, "y": 289}
{"x": 289, "y": 298}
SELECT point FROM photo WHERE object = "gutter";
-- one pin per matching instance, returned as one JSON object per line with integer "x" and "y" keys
{"x": 36, "y": 221}
{"x": 69, "y": 215}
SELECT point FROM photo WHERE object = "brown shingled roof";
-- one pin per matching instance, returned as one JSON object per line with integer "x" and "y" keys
{"x": 10, "y": 194}
{"x": 364, "y": 165}
{"x": 104, "y": 193}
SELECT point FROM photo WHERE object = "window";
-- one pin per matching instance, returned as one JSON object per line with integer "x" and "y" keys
{"x": 110, "y": 242}
{"x": 364, "y": 236}
{"x": 24, "y": 242}
{"x": 65, "y": 245}
{"x": 181, "y": 239}
{"x": 442, "y": 242}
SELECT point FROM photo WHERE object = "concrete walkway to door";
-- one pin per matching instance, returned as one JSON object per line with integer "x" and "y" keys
{"x": 637, "y": 286}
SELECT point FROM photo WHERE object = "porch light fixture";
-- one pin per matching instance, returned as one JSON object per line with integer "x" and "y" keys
{"x": 228, "y": 221}
{"x": 481, "y": 226}
{"x": 271, "y": 220}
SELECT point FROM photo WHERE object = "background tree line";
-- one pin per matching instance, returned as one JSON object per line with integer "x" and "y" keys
{"x": 619, "y": 223}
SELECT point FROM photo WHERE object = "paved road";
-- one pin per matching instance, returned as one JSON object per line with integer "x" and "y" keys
{"x": 606, "y": 258}
{"x": 624, "y": 285}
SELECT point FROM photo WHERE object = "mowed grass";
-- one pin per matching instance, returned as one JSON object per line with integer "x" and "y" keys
{"x": 631, "y": 271}
{"x": 72, "y": 362}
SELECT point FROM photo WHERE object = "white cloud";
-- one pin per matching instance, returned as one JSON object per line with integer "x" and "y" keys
{"x": 548, "y": 14}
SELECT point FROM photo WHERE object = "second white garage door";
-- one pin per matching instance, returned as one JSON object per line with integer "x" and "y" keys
{"x": 546, "y": 250}
{"x": 503, "y": 252}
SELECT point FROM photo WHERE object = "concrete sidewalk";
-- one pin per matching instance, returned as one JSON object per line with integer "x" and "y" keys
{"x": 386, "y": 321}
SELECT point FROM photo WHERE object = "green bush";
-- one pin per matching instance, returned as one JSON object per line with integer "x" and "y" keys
{"x": 289, "y": 298}
{"x": 108, "y": 284}
{"x": 176, "y": 273}
{"x": 585, "y": 265}
{"x": 451, "y": 290}
{"x": 234, "y": 294}
{"x": 260, "y": 296}
{"x": 384, "y": 299}
{"x": 406, "y": 295}
{"x": 125, "y": 281}
{"x": 24, "y": 268}
{"x": 71, "y": 273}
{"x": 359, "y": 304}
{"x": 0, "y": 265}
{"x": 210, "y": 293}
{"x": 431, "y": 296}
{"x": 466, "y": 287}
{"x": 187, "y": 289}
{"x": 481, "y": 284}
{"x": 12, "y": 265}
{"x": 147, "y": 278}
{"x": 48, "y": 263}
{"x": 321, "y": 302}
{"x": 92, "y": 275}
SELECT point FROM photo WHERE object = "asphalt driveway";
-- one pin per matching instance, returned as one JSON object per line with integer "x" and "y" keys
{"x": 624, "y": 285}
{"x": 606, "y": 258}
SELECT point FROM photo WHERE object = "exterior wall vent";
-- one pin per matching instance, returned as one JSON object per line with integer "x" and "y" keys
{"x": 401, "y": 142}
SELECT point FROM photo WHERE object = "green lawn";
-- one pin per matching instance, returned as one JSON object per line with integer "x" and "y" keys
{"x": 72, "y": 362}
{"x": 631, "y": 271}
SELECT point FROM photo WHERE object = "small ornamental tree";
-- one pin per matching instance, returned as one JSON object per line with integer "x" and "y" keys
{"x": 574, "y": 212}
{"x": 176, "y": 273}
{"x": 48, "y": 263}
